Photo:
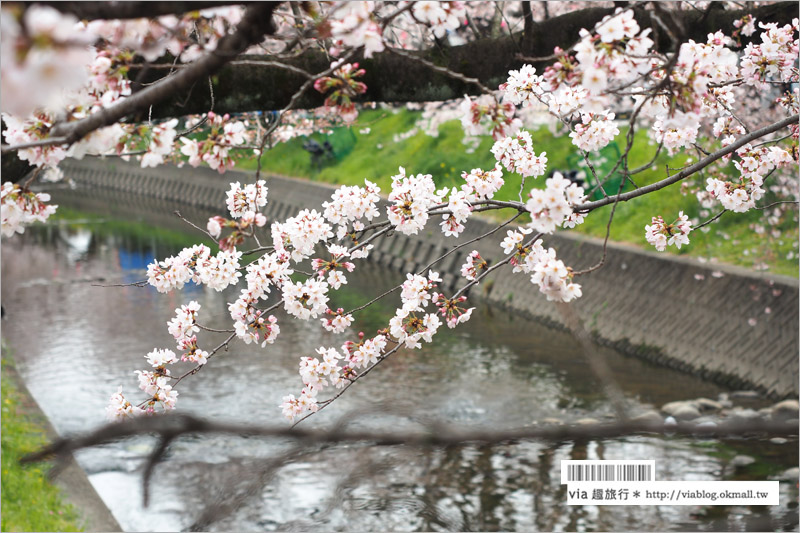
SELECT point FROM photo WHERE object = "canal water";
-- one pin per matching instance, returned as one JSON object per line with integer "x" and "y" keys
{"x": 76, "y": 342}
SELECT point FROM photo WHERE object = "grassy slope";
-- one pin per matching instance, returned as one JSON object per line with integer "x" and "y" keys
{"x": 376, "y": 157}
{"x": 29, "y": 501}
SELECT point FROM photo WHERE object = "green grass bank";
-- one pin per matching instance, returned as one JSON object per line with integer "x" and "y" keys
{"x": 29, "y": 501}
{"x": 376, "y": 156}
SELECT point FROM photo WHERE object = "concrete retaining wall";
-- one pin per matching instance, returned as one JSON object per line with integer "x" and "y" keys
{"x": 668, "y": 309}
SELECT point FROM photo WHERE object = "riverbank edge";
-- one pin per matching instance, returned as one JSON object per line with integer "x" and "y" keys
{"x": 734, "y": 326}
{"x": 76, "y": 489}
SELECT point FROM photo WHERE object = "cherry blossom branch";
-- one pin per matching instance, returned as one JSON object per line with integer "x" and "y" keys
{"x": 692, "y": 169}
{"x": 429, "y": 265}
{"x": 192, "y": 224}
{"x": 6, "y": 148}
{"x": 352, "y": 381}
{"x": 197, "y": 369}
{"x": 647, "y": 165}
{"x": 214, "y": 330}
{"x": 142, "y": 283}
{"x": 467, "y": 243}
{"x": 710, "y": 220}
{"x": 492, "y": 268}
{"x": 776, "y": 203}
{"x": 602, "y": 261}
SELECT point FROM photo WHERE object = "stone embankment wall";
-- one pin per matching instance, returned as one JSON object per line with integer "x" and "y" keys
{"x": 672, "y": 310}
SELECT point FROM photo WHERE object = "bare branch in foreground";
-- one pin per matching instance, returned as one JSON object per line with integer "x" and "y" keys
{"x": 175, "y": 425}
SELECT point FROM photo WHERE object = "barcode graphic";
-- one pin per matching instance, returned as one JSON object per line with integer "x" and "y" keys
{"x": 577, "y": 471}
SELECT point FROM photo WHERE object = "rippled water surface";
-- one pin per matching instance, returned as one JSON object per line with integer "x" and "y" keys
{"x": 75, "y": 343}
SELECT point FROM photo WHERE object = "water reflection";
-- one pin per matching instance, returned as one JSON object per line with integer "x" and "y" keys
{"x": 75, "y": 343}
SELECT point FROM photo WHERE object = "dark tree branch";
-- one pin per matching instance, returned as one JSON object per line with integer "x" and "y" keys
{"x": 174, "y": 425}
{"x": 391, "y": 78}
{"x": 132, "y": 10}
{"x": 256, "y": 23}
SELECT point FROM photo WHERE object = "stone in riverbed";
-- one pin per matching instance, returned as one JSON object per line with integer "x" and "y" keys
{"x": 706, "y": 405}
{"x": 750, "y": 394}
{"x": 741, "y": 461}
{"x": 739, "y": 413}
{"x": 671, "y": 407}
{"x": 785, "y": 410}
{"x": 790, "y": 475}
{"x": 648, "y": 416}
{"x": 681, "y": 410}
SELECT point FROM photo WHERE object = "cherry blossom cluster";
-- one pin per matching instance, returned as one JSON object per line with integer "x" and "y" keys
{"x": 338, "y": 322}
{"x": 195, "y": 264}
{"x": 109, "y": 82}
{"x": 341, "y": 88}
{"x": 406, "y": 326}
{"x": 615, "y": 50}
{"x": 754, "y": 165}
{"x": 269, "y": 270}
{"x": 473, "y": 266}
{"x": 155, "y": 385}
{"x": 440, "y": 16}
{"x": 523, "y": 86}
{"x": 257, "y": 328}
{"x": 516, "y": 155}
{"x": 552, "y": 207}
{"x": 553, "y": 278}
{"x": 451, "y": 310}
{"x": 35, "y": 128}
{"x": 298, "y": 235}
{"x": 486, "y": 114}
{"x": 460, "y": 209}
{"x": 250, "y": 198}
{"x": 676, "y": 131}
{"x": 41, "y": 56}
{"x": 595, "y": 131}
{"x": 215, "y": 148}
{"x": 161, "y": 138}
{"x": 350, "y": 204}
{"x": 775, "y": 57}
{"x": 241, "y": 228}
{"x": 186, "y": 38}
{"x": 513, "y": 243}
{"x": 353, "y": 24}
{"x": 333, "y": 267}
{"x": 744, "y": 26}
{"x": 183, "y": 327}
{"x": 661, "y": 235}
{"x": 20, "y": 207}
{"x": 316, "y": 374}
{"x": 551, "y": 275}
{"x": 411, "y": 198}
{"x": 484, "y": 183}
{"x": 702, "y": 64}
{"x": 726, "y": 129}
{"x": 305, "y": 299}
